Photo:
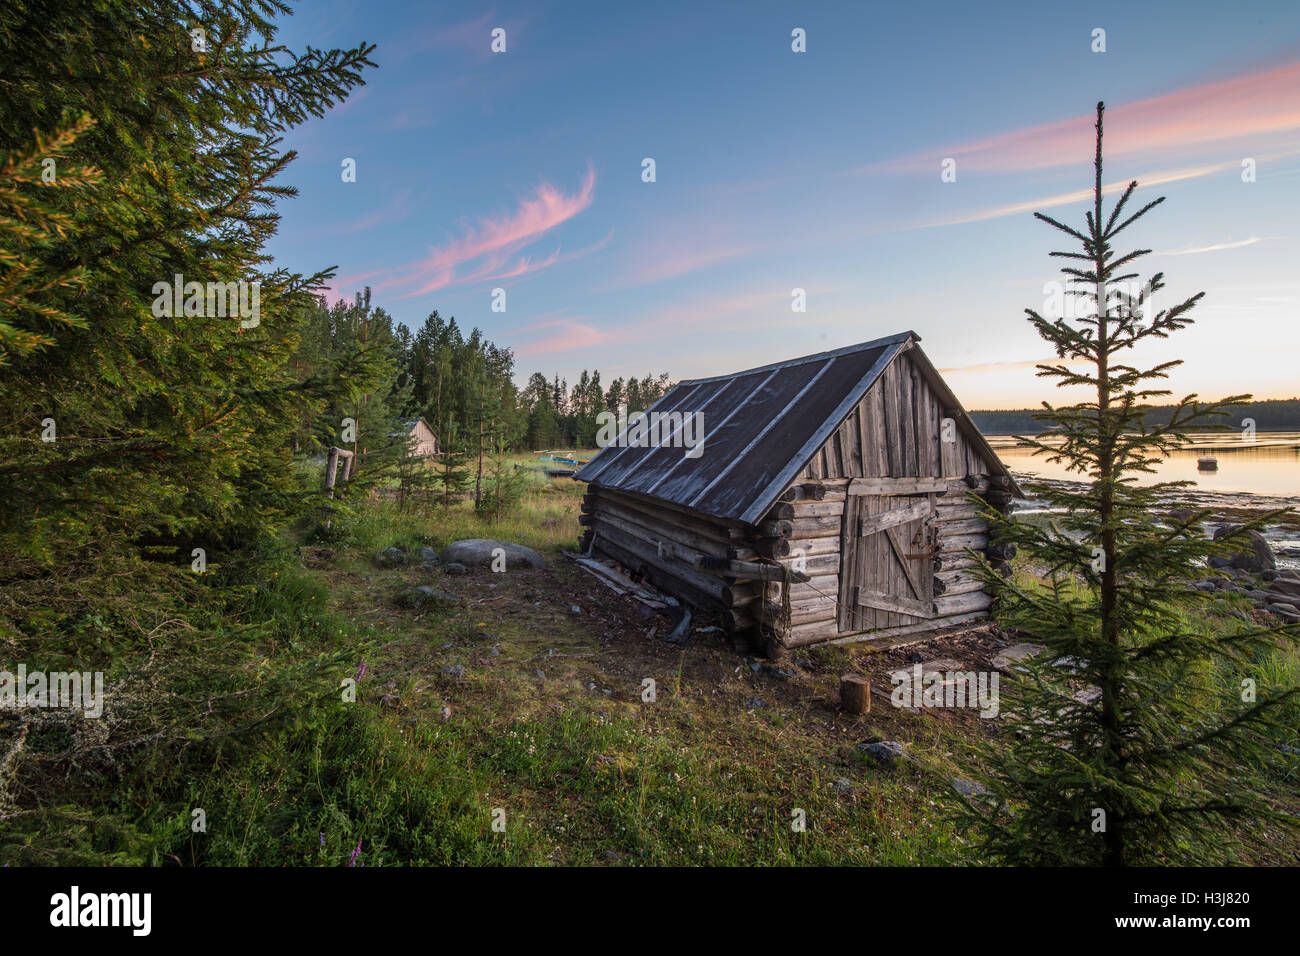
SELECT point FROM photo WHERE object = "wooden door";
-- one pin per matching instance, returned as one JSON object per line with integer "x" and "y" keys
{"x": 888, "y": 542}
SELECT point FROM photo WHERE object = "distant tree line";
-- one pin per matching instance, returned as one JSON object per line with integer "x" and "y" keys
{"x": 1279, "y": 415}
{"x": 461, "y": 384}
{"x": 560, "y": 417}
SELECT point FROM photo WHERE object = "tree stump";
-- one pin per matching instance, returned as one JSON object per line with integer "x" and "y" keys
{"x": 855, "y": 694}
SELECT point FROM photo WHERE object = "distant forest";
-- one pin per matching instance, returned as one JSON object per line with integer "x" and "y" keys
{"x": 1280, "y": 415}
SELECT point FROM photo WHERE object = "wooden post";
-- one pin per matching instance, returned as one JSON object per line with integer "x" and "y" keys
{"x": 331, "y": 470}
{"x": 855, "y": 694}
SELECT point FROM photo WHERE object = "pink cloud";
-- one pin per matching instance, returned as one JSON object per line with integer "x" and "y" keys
{"x": 686, "y": 260}
{"x": 486, "y": 248}
{"x": 396, "y": 210}
{"x": 1250, "y": 105}
{"x": 574, "y": 335}
{"x": 1155, "y": 178}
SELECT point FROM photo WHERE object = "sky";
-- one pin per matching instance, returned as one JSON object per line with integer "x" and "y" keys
{"x": 822, "y": 170}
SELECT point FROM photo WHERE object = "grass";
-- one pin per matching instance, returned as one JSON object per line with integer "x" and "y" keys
{"x": 543, "y": 729}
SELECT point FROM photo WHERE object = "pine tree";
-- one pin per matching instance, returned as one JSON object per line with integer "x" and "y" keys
{"x": 1133, "y": 741}
{"x": 172, "y": 429}
{"x": 452, "y": 467}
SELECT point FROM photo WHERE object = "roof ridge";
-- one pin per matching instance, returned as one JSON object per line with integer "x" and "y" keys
{"x": 815, "y": 357}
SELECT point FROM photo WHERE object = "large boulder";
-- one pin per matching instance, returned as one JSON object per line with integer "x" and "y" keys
{"x": 1285, "y": 590}
{"x": 480, "y": 553}
{"x": 1257, "y": 555}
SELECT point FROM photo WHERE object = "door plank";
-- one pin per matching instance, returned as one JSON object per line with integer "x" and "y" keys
{"x": 896, "y": 486}
{"x": 891, "y": 602}
{"x": 893, "y": 516}
{"x": 908, "y": 564}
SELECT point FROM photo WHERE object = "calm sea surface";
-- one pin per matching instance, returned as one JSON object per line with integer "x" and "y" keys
{"x": 1268, "y": 465}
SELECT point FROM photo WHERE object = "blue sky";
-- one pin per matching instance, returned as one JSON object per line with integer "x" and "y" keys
{"x": 820, "y": 170}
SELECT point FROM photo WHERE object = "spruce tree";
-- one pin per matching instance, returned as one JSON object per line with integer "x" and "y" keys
{"x": 1136, "y": 737}
{"x": 162, "y": 123}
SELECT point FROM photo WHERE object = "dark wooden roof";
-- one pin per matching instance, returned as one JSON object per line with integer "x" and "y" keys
{"x": 760, "y": 427}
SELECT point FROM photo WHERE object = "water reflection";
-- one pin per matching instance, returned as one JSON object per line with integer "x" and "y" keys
{"x": 1268, "y": 464}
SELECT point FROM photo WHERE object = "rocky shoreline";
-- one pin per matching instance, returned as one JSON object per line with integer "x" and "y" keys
{"x": 1267, "y": 573}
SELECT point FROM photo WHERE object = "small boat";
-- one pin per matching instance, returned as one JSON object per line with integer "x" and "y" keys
{"x": 1207, "y": 463}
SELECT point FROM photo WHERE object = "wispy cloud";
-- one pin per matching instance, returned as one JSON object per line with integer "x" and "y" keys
{"x": 573, "y": 333}
{"x": 1158, "y": 178}
{"x": 1249, "y": 105}
{"x": 486, "y": 250}
{"x": 682, "y": 260}
{"x": 1216, "y": 247}
{"x": 399, "y": 208}
{"x": 1007, "y": 366}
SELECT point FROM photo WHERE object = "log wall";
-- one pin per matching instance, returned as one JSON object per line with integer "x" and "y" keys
{"x": 665, "y": 545}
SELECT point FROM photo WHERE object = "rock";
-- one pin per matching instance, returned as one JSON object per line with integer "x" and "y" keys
{"x": 391, "y": 558}
{"x": 1286, "y": 590}
{"x": 842, "y": 785}
{"x": 755, "y": 703}
{"x": 1287, "y": 612}
{"x": 1205, "y": 586}
{"x": 887, "y": 752}
{"x": 455, "y": 670}
{"x": 1218, "y": 563}
{"x": 455, "y": 567}
{"x": 1259, "y": 597}
{"x": 755, "y": 666}
{"x": 1087, "y": 695}
{"x": 969, "y": 788}
{"x": 610, "y": 855}
{"x": 446, "y": 714}
{"x": 1015, "y": 654}
{"x": 1268, "y": 575}
{"x": 391, "y": 701}
{"x": 426, "y": 554}
{"x": 1259, "y": 557}
{"x": 574, "y": 609}
{"x": 1181, "y": 515}
{"x": 478, "y": 553}
{"x": 541, "y": 674}
{"x": 425, "y": 596}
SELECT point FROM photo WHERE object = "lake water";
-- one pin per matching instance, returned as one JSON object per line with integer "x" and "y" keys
{"x": 1267, "y": 465}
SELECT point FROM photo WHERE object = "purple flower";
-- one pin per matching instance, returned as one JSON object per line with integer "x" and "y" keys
{"x": 362, "y": 672}
{"x": 322, "y": 839}
{"x": 355, "y": 854}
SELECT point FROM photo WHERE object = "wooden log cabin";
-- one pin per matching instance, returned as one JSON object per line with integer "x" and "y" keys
{"x": 831, "y": 500}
